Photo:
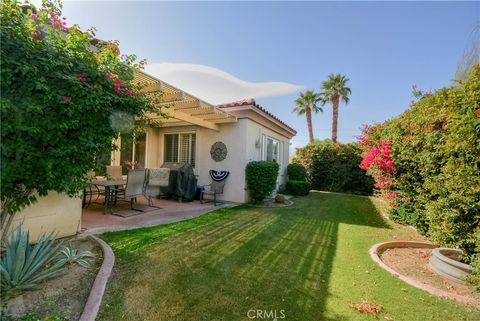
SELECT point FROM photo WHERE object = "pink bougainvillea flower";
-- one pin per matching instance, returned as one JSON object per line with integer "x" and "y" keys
{"x": 118, "y": 85}
{"x": 53, "y": 23}
{"x": 33, "y": 16}
{"x": 414, "y": 87}
{"x": 52, "y": 13}
{"x": 67, "y": 99}
{"x": 131, "y": 92}
{"x": 82, "y": 77}
{"x": 35, "y": 34}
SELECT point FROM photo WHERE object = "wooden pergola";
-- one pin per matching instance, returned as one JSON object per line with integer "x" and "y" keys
{"x": 182, "y": 108}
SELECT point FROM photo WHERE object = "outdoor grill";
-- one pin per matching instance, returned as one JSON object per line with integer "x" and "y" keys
{"x": 182, "y": 181}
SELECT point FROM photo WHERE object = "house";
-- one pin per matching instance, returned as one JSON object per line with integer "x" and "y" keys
{"x": 243, "y": 129}
{"x": 224, "y": 137}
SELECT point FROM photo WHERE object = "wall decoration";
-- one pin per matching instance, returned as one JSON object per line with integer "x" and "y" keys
{"x": 218, "y": 151}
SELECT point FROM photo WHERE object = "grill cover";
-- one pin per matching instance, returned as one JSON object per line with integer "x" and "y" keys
{"x": 182, "y": 181}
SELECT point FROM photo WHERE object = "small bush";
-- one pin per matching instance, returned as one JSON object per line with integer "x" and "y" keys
{"x": 298, "y": 188}
{"x": 261, "y": 179}
{"x": 296, "y": 172}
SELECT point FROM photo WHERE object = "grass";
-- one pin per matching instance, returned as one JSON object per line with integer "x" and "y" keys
{"x": 309, "y": 261}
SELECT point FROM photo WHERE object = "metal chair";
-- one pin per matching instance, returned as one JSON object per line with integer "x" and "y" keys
{"x": 91, "y": 191}
{"x": 215, "y": 187}
{"x": 134, "y": 188}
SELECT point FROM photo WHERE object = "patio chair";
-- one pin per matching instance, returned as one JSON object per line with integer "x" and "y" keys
{"x": 215, "y": 187}
{"x": 134, "y": 188}
{"x": 114, "y": 172}
{"x": 91, "y": 191}
{"x": 156, "y": 179}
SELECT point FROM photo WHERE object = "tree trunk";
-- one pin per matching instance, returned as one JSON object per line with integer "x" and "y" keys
{"x": 308, "y": 113}
{"x": 335, "y": 118}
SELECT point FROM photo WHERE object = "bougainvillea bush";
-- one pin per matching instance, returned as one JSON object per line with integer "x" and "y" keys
{"x": 64, "y": 97}
{"x": 334, "y": 167}
{"x": 427, "y": 161}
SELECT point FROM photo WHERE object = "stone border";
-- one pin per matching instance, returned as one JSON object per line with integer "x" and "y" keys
{"x": 280, "y": 205}
{"x": 92, "y": 306}
{"x": 380, "y": 247}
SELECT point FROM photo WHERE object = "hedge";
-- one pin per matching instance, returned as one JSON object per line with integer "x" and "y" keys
{"x": 296, "y": 172}
{"x": 297, "y": 188}
{"x": 435, "y": 150}
{"x": 261, "y": 179}
{"x": 334, "y": 167}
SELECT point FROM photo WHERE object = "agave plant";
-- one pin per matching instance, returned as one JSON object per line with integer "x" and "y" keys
{"x": 23, "y": 266}
{"x": 72, "y": 255}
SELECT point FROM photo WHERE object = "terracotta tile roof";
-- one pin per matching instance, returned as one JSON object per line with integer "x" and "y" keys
{"x": 251, "y": 102}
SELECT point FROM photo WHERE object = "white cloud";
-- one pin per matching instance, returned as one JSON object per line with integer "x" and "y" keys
{"x": 214, "y": 85}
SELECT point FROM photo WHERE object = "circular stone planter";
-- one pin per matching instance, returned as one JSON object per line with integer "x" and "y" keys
{"x": 376, "y": 250}
{"x": 446, "y": 262}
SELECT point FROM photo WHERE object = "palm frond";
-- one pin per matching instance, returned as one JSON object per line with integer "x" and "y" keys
{"x": 308, "y": 100}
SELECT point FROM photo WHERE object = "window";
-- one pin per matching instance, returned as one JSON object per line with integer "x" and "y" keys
{"x": 180, "y": 148}
{"x": 271, "y": 150}
{"x": 132, "y": 150}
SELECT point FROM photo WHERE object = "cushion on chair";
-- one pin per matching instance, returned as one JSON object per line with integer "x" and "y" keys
{"x": 135, "y": 182}
{"x": 158, "y": 177}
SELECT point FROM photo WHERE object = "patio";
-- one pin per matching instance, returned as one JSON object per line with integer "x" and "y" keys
{"x": 96, "y": 221}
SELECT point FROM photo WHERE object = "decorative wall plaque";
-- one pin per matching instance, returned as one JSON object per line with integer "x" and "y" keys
{"x": 218, "y": 151}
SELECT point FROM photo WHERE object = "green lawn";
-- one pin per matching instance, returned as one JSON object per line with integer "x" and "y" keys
{"x": 309, "y": 260}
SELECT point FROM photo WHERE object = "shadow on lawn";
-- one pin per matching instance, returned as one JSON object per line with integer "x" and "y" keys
{"x": 289, "y": 255}
{"x": 259, "y": 259}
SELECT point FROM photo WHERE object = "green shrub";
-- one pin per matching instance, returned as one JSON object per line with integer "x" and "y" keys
{"x": 403, "y": 214}
{"x": 298, "y": 188}
{"x": 261, "y": 179}
{"x": 334, "y": 167}
{"x": 296, "y": 172}
{"x": 435, "y": 147}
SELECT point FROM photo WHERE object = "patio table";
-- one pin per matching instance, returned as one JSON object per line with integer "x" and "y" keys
{"x": 110, "y": 194}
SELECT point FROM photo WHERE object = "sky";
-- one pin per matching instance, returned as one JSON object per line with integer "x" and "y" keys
{"x": 270, "y": 51}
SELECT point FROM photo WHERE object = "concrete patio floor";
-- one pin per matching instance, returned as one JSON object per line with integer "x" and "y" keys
{"x": 95, "y": 221}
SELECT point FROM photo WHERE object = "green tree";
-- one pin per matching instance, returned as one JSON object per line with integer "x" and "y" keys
{"x": 335, "y": 89}
{"x": 65, "y": 97}
{"x": 307, "y": 102}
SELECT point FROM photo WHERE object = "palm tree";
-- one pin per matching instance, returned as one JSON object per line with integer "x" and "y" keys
{"x": 307, "y": 102}
{"x": 334, "y": 89}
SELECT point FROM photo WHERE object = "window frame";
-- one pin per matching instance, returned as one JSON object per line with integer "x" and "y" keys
{"x": 265, "y": 148}
{"x": 191, "y": 149}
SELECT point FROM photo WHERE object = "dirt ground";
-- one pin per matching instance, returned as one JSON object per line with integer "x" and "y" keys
{"x": 413, "y": 262}
{"x": 68, "y": 292}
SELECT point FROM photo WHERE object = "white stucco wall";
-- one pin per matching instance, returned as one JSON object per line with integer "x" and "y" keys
{"x": 55, "y": 212}
{"x": 241, "y": 141}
